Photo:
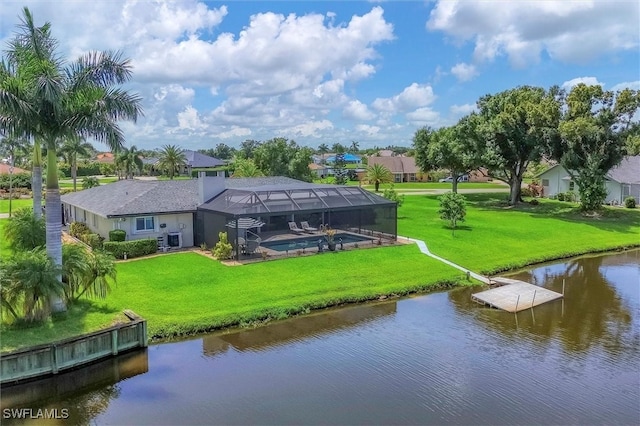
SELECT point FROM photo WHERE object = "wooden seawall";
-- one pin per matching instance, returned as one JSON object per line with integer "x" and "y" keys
{"x": 53, "y": 358}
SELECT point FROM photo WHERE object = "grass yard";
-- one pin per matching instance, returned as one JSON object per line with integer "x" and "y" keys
{"x": 4, "y": 249}
{"x": 496, "y": 237}
{"x": 15, "y": 204}
{"x": 211, "y": 295}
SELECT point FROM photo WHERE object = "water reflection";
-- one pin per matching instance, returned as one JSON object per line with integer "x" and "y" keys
{"x": 85, "y": 393}
{"x": 295, "y": 329}
{"x": 596, "y": 311}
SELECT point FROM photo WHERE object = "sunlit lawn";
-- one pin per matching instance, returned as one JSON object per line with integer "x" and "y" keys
{"x": 497, "y": 237}
{"x": 15, "y": 204}
{"x": 187, "y": 292}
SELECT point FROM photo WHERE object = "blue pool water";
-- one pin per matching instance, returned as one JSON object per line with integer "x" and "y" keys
{"x": 311, "y": 241}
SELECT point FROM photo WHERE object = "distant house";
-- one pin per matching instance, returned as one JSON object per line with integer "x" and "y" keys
{"x": 4, "y": 169}
{"x": 194, "y": 161}
{"x": 622, "y": 181}
{"x": 404, "y": 169}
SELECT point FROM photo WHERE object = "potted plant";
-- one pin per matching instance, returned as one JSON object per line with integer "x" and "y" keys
{"x": 330, "y": 236}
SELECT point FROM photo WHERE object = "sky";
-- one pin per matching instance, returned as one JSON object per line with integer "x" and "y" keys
{"x": 330, "y": 72}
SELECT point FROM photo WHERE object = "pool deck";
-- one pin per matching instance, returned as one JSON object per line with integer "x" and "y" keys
{"x": 514, "y": 295}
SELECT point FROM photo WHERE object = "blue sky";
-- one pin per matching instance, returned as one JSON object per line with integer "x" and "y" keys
{"x": 337, "y": 71}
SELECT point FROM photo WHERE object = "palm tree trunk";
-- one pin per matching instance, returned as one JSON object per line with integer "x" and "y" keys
{"x": 74, "y": 172}
{"x": 53, "y": 216}
{"x": 36, "y": 179}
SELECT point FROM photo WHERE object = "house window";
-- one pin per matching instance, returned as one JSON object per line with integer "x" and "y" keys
{"x": 145, "y": 224}
{"x": 545, "y": 182}
{"x": 398, "y": 177}
{"x": 94, "y": 219}
{"x": 572, "y": 185}
{"x": 412, "y": 177}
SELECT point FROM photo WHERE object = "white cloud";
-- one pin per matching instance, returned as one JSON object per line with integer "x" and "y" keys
{"x": 309, "y": 129}
{"x": 189, "y": 119}
{"x": 570, "y": 31}
{"x": 367, "y": 129}
{"x": 424, "y": 117}
{"x": 356, "y": 110}
{"x": 464, "y": 72}
{"x": 413, "y": 96}
{"x": 633, "y": 85}
{"x": 234, "y": 132}
{"x": 589, "y": 81}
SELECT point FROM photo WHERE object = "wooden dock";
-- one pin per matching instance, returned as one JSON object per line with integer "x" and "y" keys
{"x": 514, "y": 296}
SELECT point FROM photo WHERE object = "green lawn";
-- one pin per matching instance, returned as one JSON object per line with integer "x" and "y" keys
{"x": 212, "y": 295}
{"x": 4, "y": 250}
{"x": 495, "y": 237}
{"x": 15, "y": 204}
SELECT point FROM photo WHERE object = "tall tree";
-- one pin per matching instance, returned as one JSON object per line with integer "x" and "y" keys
{"x": 245, "y": 168}
{"x": 354, "y": 147}
{"x": 322, "y": 149}
{"x": 224, "y": 152}
{"x": 446, "y": 148}
{"x": 73, "y": 147}
{"x": 279, "y": 157}
{"x": 171, "y": 159}
{"x": 339, "y": 164}
{"x": 42, "y": 96}
{"x": 377, "y": 173}
{"x": 338, "y": 148}
{"x": 512, "y": 129}
{"x": 128, "y": 160}
{"x": 594, "y": 133}
{"x": 248, "y": 148}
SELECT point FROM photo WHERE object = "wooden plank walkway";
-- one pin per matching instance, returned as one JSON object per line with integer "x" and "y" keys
{"x": 514, "y": 296}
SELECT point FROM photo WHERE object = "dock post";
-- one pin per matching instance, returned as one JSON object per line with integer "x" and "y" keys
{"x": 563, "y": 287}
{"x": 534, "y": 298}
{"x": 517, "y": 301}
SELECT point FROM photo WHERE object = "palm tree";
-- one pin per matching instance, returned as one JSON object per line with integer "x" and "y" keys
{"x": 31, "y": 277}
{"x": 129, "y": 159}
{"x": 36, "y": 178}
{"x": 88, "y": 272}
{"x": 171, "y": 158}
{"x": 355, "y": 147}
{"x": 72, "y": 148}
{"x": 43, "y": 97}
{"x": 377, "y": 173}
{"x": 24, "y": 231}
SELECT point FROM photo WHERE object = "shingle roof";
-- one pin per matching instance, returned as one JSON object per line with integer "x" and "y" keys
{"x": 131, "y": 197}
{"x": 196, "y": 159}
{"x": 4, "y": 169}
{"x": 628, "y": 171}
{"x": 396, "y": 164}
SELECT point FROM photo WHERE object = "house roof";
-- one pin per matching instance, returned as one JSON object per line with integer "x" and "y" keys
{"x": 196, "y": 159}
{"x": 134, "y": 197}
{"x": 396, "y": 164}
{"x": 628, "y": 171}
{"x": 4, "y": 169}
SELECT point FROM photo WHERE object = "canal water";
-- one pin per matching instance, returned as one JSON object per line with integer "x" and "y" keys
{"x": 433, "y": 359}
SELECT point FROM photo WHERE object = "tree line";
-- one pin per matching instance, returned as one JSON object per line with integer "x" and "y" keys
{"x": 587, "y": 130}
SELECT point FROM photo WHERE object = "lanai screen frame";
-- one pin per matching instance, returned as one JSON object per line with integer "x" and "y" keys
{"x": 337, "y": 205}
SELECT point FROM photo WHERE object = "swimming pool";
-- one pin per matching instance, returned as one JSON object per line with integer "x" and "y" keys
{"x": 311, "y": 241}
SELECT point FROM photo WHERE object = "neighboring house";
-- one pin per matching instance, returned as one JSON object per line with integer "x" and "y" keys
{"x": 184, "y": 213}
{"x": 404, "y": 169}
{"x": 622, "y": 181}
{"x": 199, "y": 161}
{"x": 480, "y": 175}
{"x": 5, "y": 169}
{"x": 105, "y": 157}
{"x": 318, "y": 170}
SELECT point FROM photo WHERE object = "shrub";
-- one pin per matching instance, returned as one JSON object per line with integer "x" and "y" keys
{"x": 223, "y": 249}
{"x": 76, "y": 229}
{"x": 527, "y": 192}
{"x": 391, "y": 194}
{"x": 90, "y": 182}
{"x": 92, "y": 240}
{"x": 534, "y": 202}
{"x": 630, "y": 203}
{"x": 452, "y": 209}
{"x": 117, "y": 235}
{"x": 560, "y": 196}
{"x": 133, "y": 248}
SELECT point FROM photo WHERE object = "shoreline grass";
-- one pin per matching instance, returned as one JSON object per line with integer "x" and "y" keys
{"x": 186, "y": 293}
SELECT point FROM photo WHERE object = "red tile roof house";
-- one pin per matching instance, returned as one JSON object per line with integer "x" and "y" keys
{"x": 404, "y": 169}
{"x": 5, "y": 169}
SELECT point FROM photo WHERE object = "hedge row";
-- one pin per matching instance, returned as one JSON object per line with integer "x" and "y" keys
{"x": 133, "y": 248}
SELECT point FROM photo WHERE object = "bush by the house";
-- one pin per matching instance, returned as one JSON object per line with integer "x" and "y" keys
{"x": 133, "y": 248}
{"x": 223, "y": 249}
{"x": 18, "y": 180}
{"x": 117, "y": 235}
{"x": 630, "y": 203}
{"x": 92, "y": 240}
{"x": 76, "y": 229}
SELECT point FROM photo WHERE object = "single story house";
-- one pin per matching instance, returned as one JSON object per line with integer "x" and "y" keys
{"x": 185, "y": 213}
{"x": 194, "y": 161}
{"x": 404, "y": 169}
{"x": 622, "y": 181}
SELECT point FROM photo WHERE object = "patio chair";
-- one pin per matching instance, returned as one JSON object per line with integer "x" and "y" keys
{"x": 251, "y": 246}
{"x": 294, "y": 228}
{"x": 306, "y": 227}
